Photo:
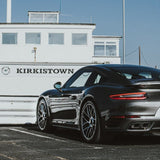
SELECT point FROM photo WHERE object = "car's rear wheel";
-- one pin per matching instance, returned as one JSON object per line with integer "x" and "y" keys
{"x": 90, "y": 125}
{"x": 43, "y": 116}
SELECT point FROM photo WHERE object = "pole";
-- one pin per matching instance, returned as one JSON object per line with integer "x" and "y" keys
{"x": 124, "y": 38}
{"x": 139, "y": 55}
{"x": 60, "y": 6}
{"x": 35, "y": 52}
{"x": 9, "y": 11}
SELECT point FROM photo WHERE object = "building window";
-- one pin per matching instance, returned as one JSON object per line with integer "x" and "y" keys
{"x": 50, "y": 18}
{"x": 56, "y": 38}
{"x": 105, "y": 49}
{"x": 110, "y": 50}
{"x": 33, "y": 38}
{"x": 79, "y": 39}
{"x": 9, "y": 38}
{"x": 43, "y": 18}
{"x": 99, "y": 50}
{"x": 36, "y": 18}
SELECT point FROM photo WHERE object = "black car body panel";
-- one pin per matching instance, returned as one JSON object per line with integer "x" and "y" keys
{"x": 119, "y": 115}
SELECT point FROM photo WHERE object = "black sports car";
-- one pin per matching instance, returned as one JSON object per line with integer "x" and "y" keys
{"x": 115, "y": 98}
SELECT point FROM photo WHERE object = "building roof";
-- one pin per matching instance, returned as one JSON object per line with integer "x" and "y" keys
{"x": 103, "y": 36}
{"x": 91, "y": 24}
{"x": 45, "y": 11}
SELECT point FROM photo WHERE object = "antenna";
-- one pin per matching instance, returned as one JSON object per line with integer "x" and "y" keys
{"x": 124, "y": 36}
{"x": 60, "y": 6}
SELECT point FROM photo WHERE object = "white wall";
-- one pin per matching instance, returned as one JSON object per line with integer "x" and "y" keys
{"x": 106, "y": 60}
{"x": 22, "y": 52}
{"x": 19, "y": 90}
{"x": 16, "y": 80}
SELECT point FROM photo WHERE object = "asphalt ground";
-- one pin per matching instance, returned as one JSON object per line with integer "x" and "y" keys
{"x": 28, "y": 143}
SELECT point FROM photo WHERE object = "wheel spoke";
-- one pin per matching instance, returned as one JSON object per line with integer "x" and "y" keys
{"x": 88, "y": 112}
{"x": 39, "y": 118}
{"x": 90, "y": 132}
{"x": 86, "y": 128}
{"x": 93, "y": 113}
{"x": 85, "y": 123}
{"x": 39, "y": 112}
{"x": 85, "y": 119}
{"x": 41, "y": 122}
{"x": 87, "y": 132}
{"x": 86, "y": 115}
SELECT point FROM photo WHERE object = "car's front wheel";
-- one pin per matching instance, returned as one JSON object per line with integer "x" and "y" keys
{"x": 43, "y": 117}
{"x": 90, "y": 125}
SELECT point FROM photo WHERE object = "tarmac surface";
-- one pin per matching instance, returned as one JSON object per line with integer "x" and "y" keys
{"x": 27, "y": 143}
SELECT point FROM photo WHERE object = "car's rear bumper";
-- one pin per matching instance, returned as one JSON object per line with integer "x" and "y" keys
{"x": 140, "y": 124}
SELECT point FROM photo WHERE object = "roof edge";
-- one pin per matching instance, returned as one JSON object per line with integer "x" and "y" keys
{"x": 104, "y": 36}
{"x": 44, "y": 11}
{"x": 91, "y": 24}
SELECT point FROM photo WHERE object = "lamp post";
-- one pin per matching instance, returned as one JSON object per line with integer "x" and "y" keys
{"x": 124, "y": 38}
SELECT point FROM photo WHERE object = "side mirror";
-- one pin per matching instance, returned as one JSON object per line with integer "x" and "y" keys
{"x": 58, "y": 86}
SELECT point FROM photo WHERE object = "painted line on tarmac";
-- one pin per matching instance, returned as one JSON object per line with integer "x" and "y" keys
{"x": 7, "y": 157}
{"x": 59, "y": 140}
{"x": 36, "y": 135}
{"x": 60, "y": 158}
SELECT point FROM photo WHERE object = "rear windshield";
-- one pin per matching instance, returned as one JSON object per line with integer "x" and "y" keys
{"x": 138, "y": 73}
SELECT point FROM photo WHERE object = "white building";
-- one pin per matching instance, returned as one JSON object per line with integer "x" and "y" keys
{"x": 55, "y": 42}
{"x": 36, "y": 54}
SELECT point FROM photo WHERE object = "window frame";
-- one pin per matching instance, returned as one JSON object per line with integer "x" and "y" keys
{"x": 53, "y": 36}
{"x": 103, "y": 50}
{"x": 33, "y": 33}
{"x": 15, "y": 33}
{"x": 81, "y": 44}
{"x": 110, "y": 53}
{"x": 105, "y": 44}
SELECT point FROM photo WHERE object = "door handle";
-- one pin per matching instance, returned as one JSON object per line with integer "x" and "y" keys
{"x": 73, "y": 97}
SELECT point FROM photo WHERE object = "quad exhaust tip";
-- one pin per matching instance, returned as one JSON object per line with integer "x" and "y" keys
{"x": 140, "y": 126}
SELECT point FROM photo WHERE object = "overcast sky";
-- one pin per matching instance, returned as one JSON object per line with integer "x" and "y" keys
{"x": 142, "y": 21}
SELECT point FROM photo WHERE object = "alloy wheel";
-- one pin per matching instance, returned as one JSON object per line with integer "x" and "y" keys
{"x": 42, "y": 115}
{"x": 88, "y": 121}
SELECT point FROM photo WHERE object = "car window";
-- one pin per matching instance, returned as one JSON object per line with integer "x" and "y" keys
{"x": 147, "y": 75}
{"x": 126, "y": 75}
{"x": 141, "y": 75}
{"x": 81, "y": 80}
{"x": 98, "y": 78}
{"x": 138, "y": 73}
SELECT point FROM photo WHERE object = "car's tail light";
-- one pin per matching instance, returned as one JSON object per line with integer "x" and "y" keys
{"x": 129, "y": 96}
{"x": 123, "y": 117}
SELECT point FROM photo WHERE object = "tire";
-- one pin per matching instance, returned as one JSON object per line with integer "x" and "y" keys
{"x": 43, "y": 116}
{"x": 90, "y": 124}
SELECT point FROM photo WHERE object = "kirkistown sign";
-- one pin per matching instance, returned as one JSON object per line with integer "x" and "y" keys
{"x": 31, "y": 70}
{"x": 45, "y": 71}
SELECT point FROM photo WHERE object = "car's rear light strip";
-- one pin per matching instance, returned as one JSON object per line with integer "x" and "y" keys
{"x": 129, "y": 96}
{"x": 123, "y": 117}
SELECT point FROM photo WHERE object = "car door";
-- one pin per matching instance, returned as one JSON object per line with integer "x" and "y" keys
{"x": 67, "y": 103}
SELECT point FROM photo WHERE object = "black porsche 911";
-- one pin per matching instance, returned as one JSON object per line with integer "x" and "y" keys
{"x": 98, "y": 98}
